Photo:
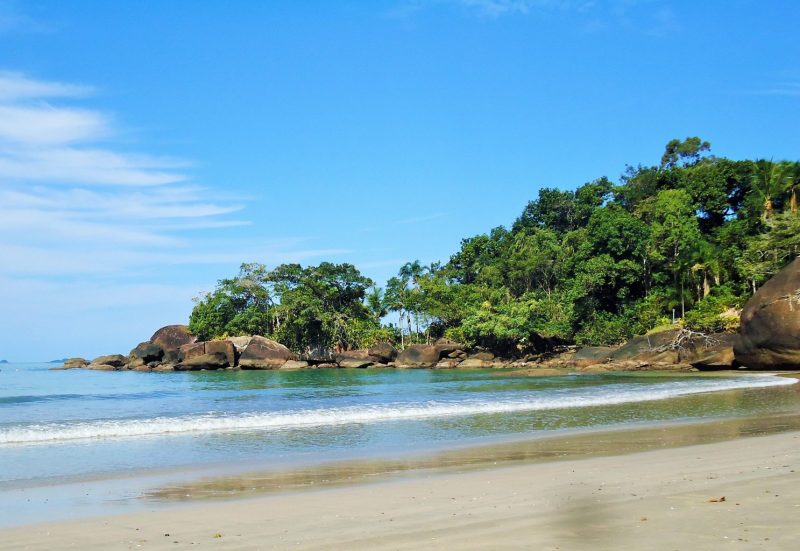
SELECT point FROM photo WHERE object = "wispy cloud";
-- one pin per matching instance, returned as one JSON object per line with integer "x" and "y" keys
{"x": 72, "y": 201}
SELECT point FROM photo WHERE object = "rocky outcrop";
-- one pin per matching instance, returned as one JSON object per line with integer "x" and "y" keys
{"x": 769, "y": 336}
{"x": 263, "y": 353}
{"x": 75, "y": 363}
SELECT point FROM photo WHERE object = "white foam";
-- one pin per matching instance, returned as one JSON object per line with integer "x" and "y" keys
{"x": 211, "y": 422}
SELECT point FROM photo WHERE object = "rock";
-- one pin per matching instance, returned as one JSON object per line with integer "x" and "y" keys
{"x": 222, "y": 347}
{"x": 383, "y": 352}
{"x": 147, "y": 352}
{"x": 164, "y": 367}
{"x": 114, "y": 360}
{"x": 172, "y": 337}
{"x": 483, "y": 355}
{"x": 419, "y": 355}
{"x": 73, "y": 363}
{"x": 214, "y": 360}
{"x": 327, "y": 365}
{"x": 240, "y": 343}
{"x": 713, "y": 353}
{"x": 263, "y": 353}
{"x": 447, "y": 363}
{"x": 644, "y": 348}
{"x": 769, "y": 337}
{"x": 142, "y": 368}
{"x": 474, "y": 363}
{"x": 592, "y": 355}
{"x": 192, "y": 350}
{"x": 354, "y": 359}
{"x": 102, "y": 367}
{"x": 294, "y": 364}
{"x": 446, "y": 347}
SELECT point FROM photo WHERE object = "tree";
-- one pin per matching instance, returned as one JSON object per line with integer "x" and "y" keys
{"x": 674, "y": 236}
{"x": 688, "y": 151}
{"x": 315, "y": 308}
{"x": 770, "y": 180}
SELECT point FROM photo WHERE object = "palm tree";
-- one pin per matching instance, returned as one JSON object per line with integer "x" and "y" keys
{"x": 376, "y": 302}
{"x": 770, "y": 180}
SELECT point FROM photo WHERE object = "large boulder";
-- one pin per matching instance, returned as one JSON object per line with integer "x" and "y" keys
{"x": 354, "y": 359}
{"x": 73, "y": 363}
{"x": 419, "y": 355}
{"x": 769, "y": 337}
{"x": 383, "y": 352}
{"x": 147, "y": 352}
{"x": 263, "y": 353}
{"x": 171, "y": 338}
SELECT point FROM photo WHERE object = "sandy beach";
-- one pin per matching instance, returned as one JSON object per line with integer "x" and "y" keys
{"x": 743, "y": 493}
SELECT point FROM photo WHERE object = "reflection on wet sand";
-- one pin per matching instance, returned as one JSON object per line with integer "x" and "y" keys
{"x": 563, "y": 447}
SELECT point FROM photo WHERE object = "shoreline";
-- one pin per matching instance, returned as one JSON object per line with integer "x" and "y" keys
{"x": 668, "y": 498}
{"x": 166, "y": 487}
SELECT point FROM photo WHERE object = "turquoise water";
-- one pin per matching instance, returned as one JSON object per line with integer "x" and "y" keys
{"x": 61, "y": 426}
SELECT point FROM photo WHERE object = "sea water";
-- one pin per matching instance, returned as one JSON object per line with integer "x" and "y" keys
{"x": 62, "y": 426}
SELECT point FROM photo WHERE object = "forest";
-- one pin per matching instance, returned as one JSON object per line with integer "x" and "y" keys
{"x": 684, "y": 242}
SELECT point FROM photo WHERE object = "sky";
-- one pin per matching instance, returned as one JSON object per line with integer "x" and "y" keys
{"x": 149, "y": 148}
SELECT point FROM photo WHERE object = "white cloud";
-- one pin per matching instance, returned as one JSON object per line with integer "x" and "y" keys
{"x": 73, "y": 202}
{"x": 16, "y": 87}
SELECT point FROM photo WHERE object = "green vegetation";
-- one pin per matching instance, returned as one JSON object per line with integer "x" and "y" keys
{"x": 689, "y": 239}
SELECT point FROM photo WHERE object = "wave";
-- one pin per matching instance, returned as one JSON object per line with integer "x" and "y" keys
{"x": 362, "y": 414}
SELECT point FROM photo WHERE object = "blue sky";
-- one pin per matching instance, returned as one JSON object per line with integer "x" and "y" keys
{"x": 148, "y": 148}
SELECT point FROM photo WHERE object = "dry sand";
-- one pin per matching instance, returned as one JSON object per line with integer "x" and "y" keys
{"x": 659, "y": 499}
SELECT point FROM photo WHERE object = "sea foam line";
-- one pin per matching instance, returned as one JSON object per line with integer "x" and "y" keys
{"x": 208, "y": 422}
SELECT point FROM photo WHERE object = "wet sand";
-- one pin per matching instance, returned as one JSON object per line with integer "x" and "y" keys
{"x": 609, "y": 490}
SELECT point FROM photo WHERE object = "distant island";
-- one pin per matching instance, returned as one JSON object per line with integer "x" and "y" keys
{"x": 61, "y": 361}
{"x": 3, "y": 361}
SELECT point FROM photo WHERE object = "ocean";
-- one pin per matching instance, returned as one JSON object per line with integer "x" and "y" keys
{"x": 79, "y": 427}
